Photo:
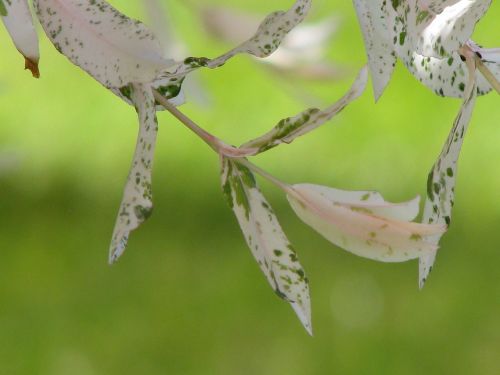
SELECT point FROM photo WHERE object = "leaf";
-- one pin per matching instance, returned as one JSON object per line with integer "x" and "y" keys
{"x": 442, "y": 178}
{"x": 263, "y": 43}
{"x": 137, "y": 205}
{"x": 269, "y": 245}
{"x": 363, "y": 223}
{"x": 17, "y": 18}
{"x": 113, "y": 48}
{"x": 373, "y": 19}
{"x": 291, "y": 128}
{"x": 3, "y": 10}
{"x": 441, "y": 34}
{"x": 445, "y": 77}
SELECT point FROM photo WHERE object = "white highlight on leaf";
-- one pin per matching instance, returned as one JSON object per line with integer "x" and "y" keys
{"x": 363, "y": 223}
{"x": 19, "y": 24}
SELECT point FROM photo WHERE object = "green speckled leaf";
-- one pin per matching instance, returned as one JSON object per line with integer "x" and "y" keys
{"x": 441, "y": 182}
{"x": 111, "y": 47}
{"x": 407, "y": 29}
{"x": 436, "y": 34}
{"x": 263, "y": 43}
{"x": 372, "y": 17}
{"x": 291, "y": 128}
{"x": 137, "y": 205}
{"x": 363, "y": 223}
{"x": 269, "y": 245}
{"x": 17, "y": 18}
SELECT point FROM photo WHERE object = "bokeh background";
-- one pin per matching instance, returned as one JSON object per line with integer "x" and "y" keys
{"x": 187, "y": 297}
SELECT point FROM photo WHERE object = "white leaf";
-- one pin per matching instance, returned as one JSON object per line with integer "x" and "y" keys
{"x": 269, "y": 245}
{"x": 445, "y": 77}
{"x": 441, "y": 181}
{"x": 377, "y": 34}
{"x": 137, "y": 205}
{"x": 112, "y": 48}
{"x": 372, "y": 228}
{"x": 291, "y": 128}
{"x": 438, "y": 35}
{"x": 19, "y": 24}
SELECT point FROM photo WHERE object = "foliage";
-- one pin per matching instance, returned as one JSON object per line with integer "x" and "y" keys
{"x": 432, "y": 39}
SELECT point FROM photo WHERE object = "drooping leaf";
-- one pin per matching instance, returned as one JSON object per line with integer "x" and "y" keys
{"x": 377, "y": 34}
{"x": 291, "y": 128}
{"x": 113, "y": 48}
{"x": 441, "y": 181}
{"x": 17, "y": 18}
{"x": 269, "y": 245}
{"x": 137, "y": 205}
{"x": 363, "y": 223}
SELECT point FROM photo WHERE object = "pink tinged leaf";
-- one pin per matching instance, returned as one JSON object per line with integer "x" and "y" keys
{"x": 291, "y": 128}
{"x": 19, "y": 23}
{"x": 268, "y": 243}
{"x": 441, "y": 181}
{"x": 363, "y": 223}
{"x": 137, "y": 205}
{"x": 112, "y": 48}
{"x": 377, "y": 34}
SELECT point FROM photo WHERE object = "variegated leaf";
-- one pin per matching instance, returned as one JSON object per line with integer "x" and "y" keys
{"x": 269, "y": 245}
{"x": 137, "y": 205}
{"x": 291, "y": 128}
{"x": 441, "y": 181}
{"x": 445, "y": 77}
{"x": 432, "y": 34}
{"x": 17, "y": 18}
{"x": 363, "y": 223}
{"x": 113, "y": 48}
{"x": 392, "y": 29}
{"x": 264, "y": 42}
{"x": 373, "y": 19}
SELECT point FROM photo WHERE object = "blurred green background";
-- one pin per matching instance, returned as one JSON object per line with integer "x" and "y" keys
{"x": 187, "y": 297}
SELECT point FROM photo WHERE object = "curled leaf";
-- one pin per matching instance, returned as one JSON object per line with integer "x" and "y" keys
{"x": 263, "y": 43}
{"x": 17, "y": 18}
{"x": 269, "y": 245}
{"x": 363, "y": 223}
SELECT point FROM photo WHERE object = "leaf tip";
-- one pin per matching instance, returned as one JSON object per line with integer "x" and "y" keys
{"x": 32, "y": 65}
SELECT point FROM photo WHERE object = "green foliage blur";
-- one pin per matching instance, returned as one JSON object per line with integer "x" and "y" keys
{"x": 187, "y": 297}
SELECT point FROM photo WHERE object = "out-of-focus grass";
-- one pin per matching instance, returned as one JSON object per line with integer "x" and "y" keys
{"x": 187, "y": 297}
